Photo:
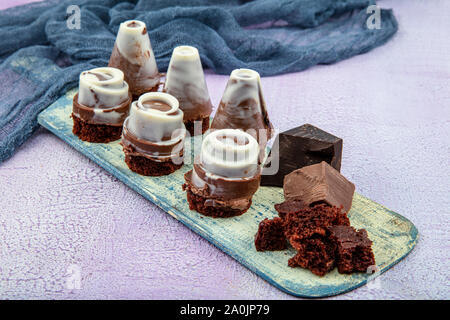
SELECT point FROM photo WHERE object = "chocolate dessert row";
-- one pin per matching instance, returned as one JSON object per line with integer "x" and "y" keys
{"x": 127, "y": 100}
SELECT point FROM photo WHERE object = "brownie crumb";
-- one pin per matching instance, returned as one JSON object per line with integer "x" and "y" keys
{"x": 308, "y": 222}
{"x": 316, "y": 254}
{"x": 353, "y": 249}
{"x": 270, "y": 235}
{"x": 322, "y": 236}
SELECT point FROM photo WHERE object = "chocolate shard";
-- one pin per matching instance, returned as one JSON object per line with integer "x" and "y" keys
{"x": 289, "y": 206}
{"x": 300, "y": 147}
{"x": 319, "y": 183}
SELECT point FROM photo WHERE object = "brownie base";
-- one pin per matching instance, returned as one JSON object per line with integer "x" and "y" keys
{"x": 99, "y": 133}
{"x": 197, "y": 203}
{"x": 190, "y": 125}
{"x": 147, "y": 167}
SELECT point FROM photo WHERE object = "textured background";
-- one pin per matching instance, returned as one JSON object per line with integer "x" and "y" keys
{"x": 391, "y": 107}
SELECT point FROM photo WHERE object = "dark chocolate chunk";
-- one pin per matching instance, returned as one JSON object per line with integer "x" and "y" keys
{"x": 300, "y": 147}
{"x": 319, "y": 183}
{"x": 353, "y": 249}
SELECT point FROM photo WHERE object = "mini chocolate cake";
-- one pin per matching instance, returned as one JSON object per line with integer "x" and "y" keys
{"x": 153, "y": 135}
{"x": 186, "y": 82}
{"x": 133, "y": 54}
{"x": 101, "y": 105}
{"x": 226, "y": 174}
{"x": 270, "y": 235}
{"x": 243, "y": 107}
{"x": 353, "y": 249}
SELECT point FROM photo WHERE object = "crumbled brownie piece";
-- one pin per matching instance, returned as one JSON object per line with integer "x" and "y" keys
{"x": 270, "y": 235}
{"x": 353, "y": 249}
{"x": 316, "y": 254}
{"x": 322, "y": 236}
{"x": 308, "y": 221}
{"x": 289, "y": 206}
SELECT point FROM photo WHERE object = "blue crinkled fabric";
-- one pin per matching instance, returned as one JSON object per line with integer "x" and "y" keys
{"x": 41, "y": 58}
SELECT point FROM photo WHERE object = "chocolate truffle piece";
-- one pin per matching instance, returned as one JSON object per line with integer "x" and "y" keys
{"x": 243, "y": 107}
{"x": 153, "y": 135}
{"x": 319, "y": 183}
{"x": 186, "y": 82}
{"x": 300, "y": 147}
{"x": 353, "y": 249}
{"x": 270, "y": 235}
{"x": 226, "y": 174}
{"x": 133, "y": 54}
{"x": 315, "y": 254}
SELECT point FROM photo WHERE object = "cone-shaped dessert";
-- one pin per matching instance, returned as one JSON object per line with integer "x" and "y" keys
{"x": 101, "y": 105}
{"x": 243, "y": 106}
{"x": 153, "y": 135}
{"x": 185, "y": 81}
{"x": 226, "y": 174}
{"x": 133, "y": 55}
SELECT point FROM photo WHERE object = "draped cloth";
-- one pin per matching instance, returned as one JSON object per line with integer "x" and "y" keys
{"x": 43, "y": 49}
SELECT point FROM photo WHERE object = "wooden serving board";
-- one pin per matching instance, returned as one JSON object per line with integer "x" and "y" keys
{"x": 393, "y": 235}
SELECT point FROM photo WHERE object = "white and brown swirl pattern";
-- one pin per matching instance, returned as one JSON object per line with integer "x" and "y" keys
{"x": 154, "y": 128}
{"x": 103, "y": 97}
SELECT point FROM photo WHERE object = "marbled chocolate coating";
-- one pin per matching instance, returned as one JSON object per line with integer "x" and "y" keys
{"x": 154, "y": 127}
{"x": 133, "y": 54}
{"x": 185, "y": 81}
{"x": 243, "y": 106}
{"x": 103, "y": 97}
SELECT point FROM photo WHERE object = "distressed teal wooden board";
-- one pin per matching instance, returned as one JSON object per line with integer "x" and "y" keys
{"x": 393, "y": 236}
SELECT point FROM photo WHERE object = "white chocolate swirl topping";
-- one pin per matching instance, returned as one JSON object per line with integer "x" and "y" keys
{"x": 156, "y": 117}
{"x": 185, "y": 80}
{"x": 230, "y": 153}
{"x": 102, "y": 88}
{"x": 134, "y": 45}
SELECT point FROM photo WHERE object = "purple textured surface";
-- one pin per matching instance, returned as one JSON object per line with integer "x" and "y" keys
{"x": 391, "y": 107}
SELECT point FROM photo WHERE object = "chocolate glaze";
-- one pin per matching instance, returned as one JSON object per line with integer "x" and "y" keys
{"x": 244, "y": 114}
{"x": 225, "y": 192}
{"x": 157, "y": 105}
{"x": 139, "y": 147}
{"x": 132, "y": 73}
{"x": 194, "y": 107}
{"x": 88, "y": 115}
